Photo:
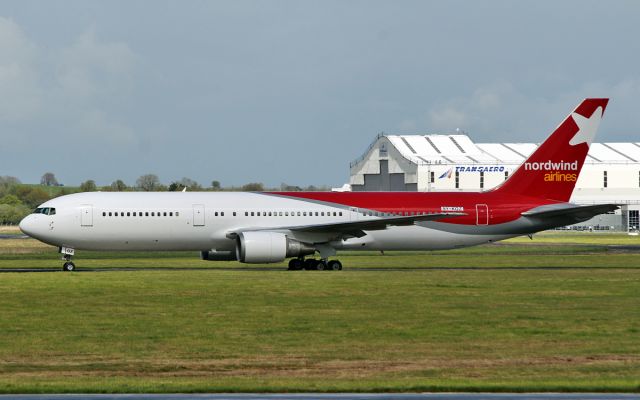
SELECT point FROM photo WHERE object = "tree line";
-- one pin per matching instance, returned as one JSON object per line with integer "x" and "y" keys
{"x": 18, "y": 200}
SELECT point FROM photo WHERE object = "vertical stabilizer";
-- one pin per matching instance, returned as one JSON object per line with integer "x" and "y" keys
{"x": 552, "y": 170}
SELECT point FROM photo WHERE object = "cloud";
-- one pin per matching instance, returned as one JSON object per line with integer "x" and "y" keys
{"x": 76, "y": 91}
{"x": 476, "y": 111}
{"x": 96, "y": 126}
{"x": 447, "y": 118}
{"x": 92, "y": 85}
{"x": 500, "y": 111}
{"x": 19, "y": 81}
{"x": 89, "y": 68}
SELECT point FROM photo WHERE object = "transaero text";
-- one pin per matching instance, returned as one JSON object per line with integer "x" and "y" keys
{"x": 495, "y": 168}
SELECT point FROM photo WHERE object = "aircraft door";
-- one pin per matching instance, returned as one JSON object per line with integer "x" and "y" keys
{"x": 482, "y": 214}
{"x": 86, "y": 215}
{"x": 198, "y": 215}
{"x": 354, "y": 213}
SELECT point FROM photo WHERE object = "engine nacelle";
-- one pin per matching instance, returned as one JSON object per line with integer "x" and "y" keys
{"x": 268, "y": 247}
{"x": 215, "y": 255}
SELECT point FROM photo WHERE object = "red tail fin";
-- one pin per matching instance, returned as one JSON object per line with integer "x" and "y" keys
{"x": 552, "y": 170}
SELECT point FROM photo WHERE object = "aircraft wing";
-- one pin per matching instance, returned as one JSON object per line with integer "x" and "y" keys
{"x": 569, "y": 211}
{"x": 353, "y": 228}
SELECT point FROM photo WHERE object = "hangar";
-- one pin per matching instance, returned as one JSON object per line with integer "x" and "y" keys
{"x": 442, "y": 162}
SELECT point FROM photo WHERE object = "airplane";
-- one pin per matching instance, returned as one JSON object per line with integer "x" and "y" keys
{"x": 269, "y": 227}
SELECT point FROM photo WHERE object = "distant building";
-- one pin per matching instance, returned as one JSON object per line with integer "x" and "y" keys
{"x": 426, "y": 163}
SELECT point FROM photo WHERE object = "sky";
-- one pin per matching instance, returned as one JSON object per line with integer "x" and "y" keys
{"x": 292, "y": 91}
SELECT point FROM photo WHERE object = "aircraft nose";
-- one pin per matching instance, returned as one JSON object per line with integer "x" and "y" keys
{"x": 27, "y": 225}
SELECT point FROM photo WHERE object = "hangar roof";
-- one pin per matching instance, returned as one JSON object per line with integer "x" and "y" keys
{"x": 452, "y": 149}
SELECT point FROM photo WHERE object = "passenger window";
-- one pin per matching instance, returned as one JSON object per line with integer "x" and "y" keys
{"x": 128, "y": 214}
{"x": 215, "y": 214}
{"x": 165, "y": 213}
{"x": 340, "y": 213}
{"x": 270, "y": 214}
{"x": 222, "y": 213}
{"x": 104, "y": 214}
{"x": 153, "y": 214}
{"x": 177, "y": 214}
{"x": 109, "y": 214}
{"x": 298, "y": 213}
{"x": 252, "y": 213}
{"x": 334, "y": 213}
{"x": 234, "y": 213}
{"x": 246, "y": 213}
{"x": 286, "y": 213}
{"x": 316, "y": 213}
{"x": 304, "y": 213}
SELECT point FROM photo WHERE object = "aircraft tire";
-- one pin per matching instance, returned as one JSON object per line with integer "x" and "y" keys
{"x": 69, "y": 266}
{"x": 335, "y": 265}
{"x": 321, "y": 265}
{"x": 295, "y": 264}
{"x": 310, "y": 264}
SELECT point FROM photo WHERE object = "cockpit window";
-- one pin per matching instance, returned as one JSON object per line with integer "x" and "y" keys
{"x": 45, "y": 211}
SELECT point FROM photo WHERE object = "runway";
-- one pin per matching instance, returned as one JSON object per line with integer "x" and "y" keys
{"x": 334, "y": 396}
{"x": 3, "y": 236}
{"x": 272, "y": 269}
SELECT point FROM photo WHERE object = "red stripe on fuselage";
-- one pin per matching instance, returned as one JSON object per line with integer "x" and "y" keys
{"x": 502, "y": 208}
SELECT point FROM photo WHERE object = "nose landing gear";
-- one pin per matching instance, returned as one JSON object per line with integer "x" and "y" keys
{"x": 67, "y": 253}
{"x": 68, "y": 266}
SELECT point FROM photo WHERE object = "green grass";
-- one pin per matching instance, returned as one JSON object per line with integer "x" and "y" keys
{"x": 377, "y": 329}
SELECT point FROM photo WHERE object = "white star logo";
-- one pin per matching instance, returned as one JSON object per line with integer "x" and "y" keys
{"x": 587, "y": 127}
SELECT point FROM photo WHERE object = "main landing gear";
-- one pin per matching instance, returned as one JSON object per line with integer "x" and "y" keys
{"x": 67, "y": 253}
{"x": 311, "y": 264}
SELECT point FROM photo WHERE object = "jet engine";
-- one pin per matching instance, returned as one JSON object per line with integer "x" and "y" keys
{"x": 269, "y": 247}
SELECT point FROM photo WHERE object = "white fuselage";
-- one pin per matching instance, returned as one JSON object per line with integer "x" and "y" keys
{"x": 202, "y": 221}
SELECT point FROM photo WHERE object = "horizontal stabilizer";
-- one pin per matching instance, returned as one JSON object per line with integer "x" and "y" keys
{"x": 576, "y": 212}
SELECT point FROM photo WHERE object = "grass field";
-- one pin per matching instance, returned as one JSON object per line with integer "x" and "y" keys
{"x": 486, "y": 318}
